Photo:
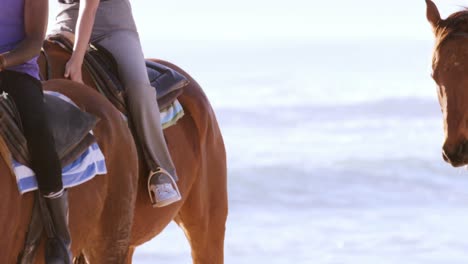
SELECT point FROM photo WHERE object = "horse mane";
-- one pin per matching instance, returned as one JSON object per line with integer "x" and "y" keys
{"x": 454, "y": 25}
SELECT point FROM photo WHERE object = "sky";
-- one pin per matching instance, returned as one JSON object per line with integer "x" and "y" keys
{"x": 243, "y": 20}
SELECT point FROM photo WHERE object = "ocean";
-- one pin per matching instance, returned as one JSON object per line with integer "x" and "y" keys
{"x": 334, "y": 154}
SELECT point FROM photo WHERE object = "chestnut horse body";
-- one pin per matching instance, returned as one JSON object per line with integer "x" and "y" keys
{"x": 101, "y": 210}
{"x": 197, "y": 148}
{"x": 450, "y": 72}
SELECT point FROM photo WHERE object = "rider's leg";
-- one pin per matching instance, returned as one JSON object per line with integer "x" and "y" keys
{"x": 144, "y": 112}
{"x": 26, "y": 92}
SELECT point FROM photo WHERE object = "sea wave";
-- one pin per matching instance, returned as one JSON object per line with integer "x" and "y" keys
{"x": 410, "y": 182}
{"x": 403, "y": 108}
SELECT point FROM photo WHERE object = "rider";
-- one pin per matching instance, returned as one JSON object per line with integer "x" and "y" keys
{"x": 115, "y": 30}
{"x": 23, "y": 25}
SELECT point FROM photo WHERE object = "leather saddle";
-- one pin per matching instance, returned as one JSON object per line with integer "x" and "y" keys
{"x": 70, "y": 128}
{"x": 102, "y": 67}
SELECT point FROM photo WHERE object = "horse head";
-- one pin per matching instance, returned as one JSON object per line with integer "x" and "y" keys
{"x": 450, "y": 72}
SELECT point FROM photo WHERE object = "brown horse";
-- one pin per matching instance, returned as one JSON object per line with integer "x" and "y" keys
{"x": 450, "y": 72}
{"x": 101, "y": 210}
{"x": 198, "y": 152}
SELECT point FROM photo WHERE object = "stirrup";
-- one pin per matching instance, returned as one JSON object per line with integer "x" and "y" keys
{"x": 152, "y": 189}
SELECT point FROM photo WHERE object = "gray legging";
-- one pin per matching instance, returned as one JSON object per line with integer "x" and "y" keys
{"x": 115, "y": 30}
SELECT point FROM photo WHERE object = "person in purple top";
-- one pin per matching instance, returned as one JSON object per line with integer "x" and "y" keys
{"x": 23, "y": 25}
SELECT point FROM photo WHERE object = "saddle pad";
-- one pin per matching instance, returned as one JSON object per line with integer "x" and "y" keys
{"x": 171, "y": 114}
{"x": 88, "y": 165}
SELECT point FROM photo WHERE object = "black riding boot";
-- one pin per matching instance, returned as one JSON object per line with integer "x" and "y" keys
{"x": 34, "y": 234}
{"x": 59, "y": 238}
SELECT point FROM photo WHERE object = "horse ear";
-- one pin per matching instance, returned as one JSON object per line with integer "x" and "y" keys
{"x": 432, "y": 13}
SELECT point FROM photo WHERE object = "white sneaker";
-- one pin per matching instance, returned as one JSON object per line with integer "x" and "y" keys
{"x": 160, "y": 191}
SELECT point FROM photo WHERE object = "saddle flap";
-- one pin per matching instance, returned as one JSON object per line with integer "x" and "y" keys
{"x": 168, "y": 82}
{"x": 164, "y": 79}
{"x": 69, "y": 125}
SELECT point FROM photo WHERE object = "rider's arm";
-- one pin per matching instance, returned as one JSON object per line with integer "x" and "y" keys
{"x": 84, "y": 28}
{"x": 35, "y": 25}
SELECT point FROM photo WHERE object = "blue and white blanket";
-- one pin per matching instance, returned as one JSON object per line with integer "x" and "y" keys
{"x": 90, "y": 163}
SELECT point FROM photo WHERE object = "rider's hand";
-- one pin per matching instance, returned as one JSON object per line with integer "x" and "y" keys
{"x": 73, "y": 69}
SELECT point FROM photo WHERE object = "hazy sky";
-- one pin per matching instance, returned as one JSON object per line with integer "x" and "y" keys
{"x": 280, "y": 19}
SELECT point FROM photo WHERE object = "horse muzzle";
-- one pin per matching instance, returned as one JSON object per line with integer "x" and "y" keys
{"x": 456, "y": 155}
